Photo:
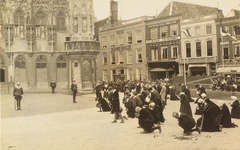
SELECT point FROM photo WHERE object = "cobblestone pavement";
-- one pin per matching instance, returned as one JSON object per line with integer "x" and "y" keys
{"x": 53, "y": 122}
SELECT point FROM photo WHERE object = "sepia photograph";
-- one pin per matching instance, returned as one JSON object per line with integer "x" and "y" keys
{"x": 120, "y": 74}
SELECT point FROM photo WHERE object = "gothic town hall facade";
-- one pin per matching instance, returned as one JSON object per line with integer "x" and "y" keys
{"x": 44, "y": 40}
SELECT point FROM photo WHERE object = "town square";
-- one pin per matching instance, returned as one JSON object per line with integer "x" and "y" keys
{"x": 120, "y": 74}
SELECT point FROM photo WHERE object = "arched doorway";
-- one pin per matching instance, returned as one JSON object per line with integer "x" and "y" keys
{"x": 20, "y": 70}
{"x": 41, "y": 72}
{"x": 62, "y": 72}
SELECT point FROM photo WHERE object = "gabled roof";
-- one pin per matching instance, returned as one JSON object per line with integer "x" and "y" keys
{"x": 233, "y": 13}
{"x": 187, "y": 10}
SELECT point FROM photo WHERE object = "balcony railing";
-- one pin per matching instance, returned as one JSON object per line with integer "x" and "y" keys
{"x": 82, "y": 46}
{"x": 199, "y": 60}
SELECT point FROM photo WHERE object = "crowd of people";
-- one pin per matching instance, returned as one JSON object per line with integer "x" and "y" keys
{"x": 148, "y": 100}
{"x": 229, "y": 83}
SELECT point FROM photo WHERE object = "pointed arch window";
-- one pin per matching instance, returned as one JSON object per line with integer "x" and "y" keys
{"x": 61, "y": 22}
{"x": 41, "y": 62}
{"x": 20, "y": 62}
{"x": 19, "y": 24}
{"x": 61, "y": 62}
{"x": 40, "y": 21}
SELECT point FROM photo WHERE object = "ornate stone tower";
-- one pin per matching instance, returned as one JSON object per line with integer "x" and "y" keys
{"x": 48, "y": 39}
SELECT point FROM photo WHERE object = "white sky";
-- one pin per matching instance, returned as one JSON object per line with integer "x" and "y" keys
{"x": 136, "y": 8}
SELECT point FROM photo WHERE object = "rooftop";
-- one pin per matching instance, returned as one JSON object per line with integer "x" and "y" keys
{"x": 187, "y": 10}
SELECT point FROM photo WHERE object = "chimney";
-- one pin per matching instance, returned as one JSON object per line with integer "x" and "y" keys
{"x": 114, "y": 11}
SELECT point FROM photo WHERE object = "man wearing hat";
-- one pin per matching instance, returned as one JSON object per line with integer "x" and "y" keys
{"x": 17, "y": 93}
{"x": 53, "y": 85}
{"x": 74, "y": 90}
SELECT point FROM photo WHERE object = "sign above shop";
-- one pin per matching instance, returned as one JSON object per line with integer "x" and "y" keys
{"x": 163, "y": 39}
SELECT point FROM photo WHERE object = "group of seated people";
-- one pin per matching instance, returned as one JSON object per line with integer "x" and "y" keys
{"x": 230, "y": 84}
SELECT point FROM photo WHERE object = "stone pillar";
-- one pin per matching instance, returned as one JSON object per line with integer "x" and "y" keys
{"x": 70, "y": 72}
{"x": 80, "y": 75}
{"x": 180, "y": 66}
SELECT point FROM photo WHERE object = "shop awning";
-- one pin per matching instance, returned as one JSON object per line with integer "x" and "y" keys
{"x": 229, "y": 70}
{"x": 158, "y": 69}
{"x": 197, "y": 65}
{"x": 161, "y": 69}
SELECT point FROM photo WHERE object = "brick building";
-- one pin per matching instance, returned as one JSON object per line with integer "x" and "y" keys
{"x": 43, "y": 40}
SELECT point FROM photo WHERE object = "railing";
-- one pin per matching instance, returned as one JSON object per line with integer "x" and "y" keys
{"x": 199, "y": 60}
{"x": 82, "y": 46}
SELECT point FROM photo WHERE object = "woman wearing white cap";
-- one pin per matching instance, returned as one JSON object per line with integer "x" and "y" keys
{"x": 235, "y": 112}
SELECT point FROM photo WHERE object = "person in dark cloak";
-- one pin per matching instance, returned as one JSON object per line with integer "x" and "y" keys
{"x": 188, "y": 93}
{"x": 235, "y": 111}
{"x": 211, "y": 117}
{"x": 226, "y": 120}
{"x": 154, "y": 96}
{"x": 157, "y": 113}
{"x": 173, "y": 95}
{"x": 185, "y": 105}
{"x": 143, "y": 96}
{"x": 116, "y": 110}
{"x": 146, "y": 120}
{"x": 186, "y": 122}
{"x": 103, "y": 104}
{"x": 131, "y": 105}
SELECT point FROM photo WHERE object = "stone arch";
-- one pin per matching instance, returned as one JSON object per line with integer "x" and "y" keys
{"x": 61, "y": 21}
{"x": 19, "y": 16}
{"x": 86, "y": 68}
{"x": 4, "y": 63}
{"x": 20, "y": 62}
{"x": 42, "y": 72}
{"x": 20, "y": 69}
{"x": 62, "y": 71}
{"x": 40, "y": 17}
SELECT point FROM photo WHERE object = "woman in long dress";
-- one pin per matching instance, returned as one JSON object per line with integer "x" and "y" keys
{"x": 173, "y": 95}
{"x": 185, "y": 105}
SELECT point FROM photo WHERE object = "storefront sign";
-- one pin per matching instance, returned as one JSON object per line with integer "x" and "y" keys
{"x": 163, "y": 39}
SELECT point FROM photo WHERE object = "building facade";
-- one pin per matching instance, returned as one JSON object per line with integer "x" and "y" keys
{"x": 199, "y": 46}
{"x": 43, "y": 40}
{"x": 163, "y": 46}
{"x": 229, "y": 44}
{"x": 123, "y": 50}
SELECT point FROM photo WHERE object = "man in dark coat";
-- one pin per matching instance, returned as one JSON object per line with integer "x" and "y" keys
{"x": 74, "y": 90}
{"x": 186, "y": 122}
{"x": 116, "y": 106}
{"x": 53, "y": 85}
{"x": 146, "y": 120}
{"x": 18, "y": 93}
